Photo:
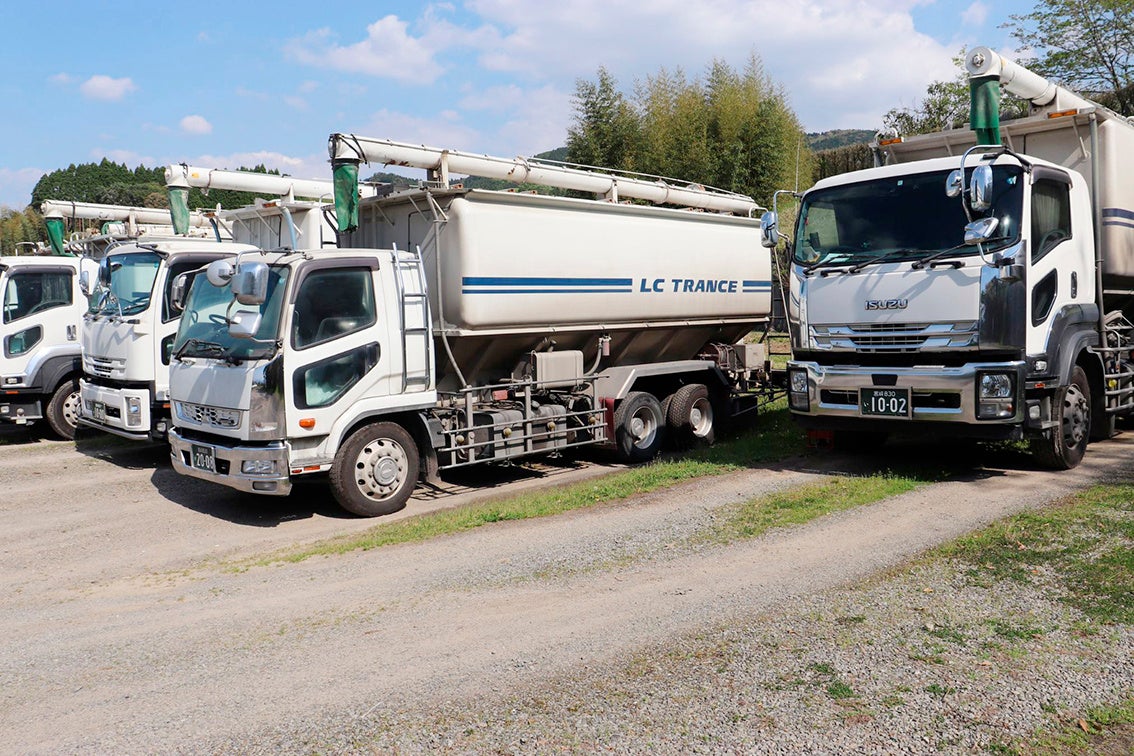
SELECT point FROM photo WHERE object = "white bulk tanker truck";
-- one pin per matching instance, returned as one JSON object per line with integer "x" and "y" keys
{"x": 976, "y": 283}
{"x": 128, "y": 334}
{"x": 457, "y": 326}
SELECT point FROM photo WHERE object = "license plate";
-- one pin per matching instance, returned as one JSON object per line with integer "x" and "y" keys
{"x": 887, "y": 402}
{"x": 98, "y": 412}
{"x": 204, "y": 458}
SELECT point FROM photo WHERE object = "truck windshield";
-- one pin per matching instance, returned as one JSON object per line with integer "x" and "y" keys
{"x": 900, "y": 218}
{"x": 204, "y": 327}
{"x": 131, "y": 277}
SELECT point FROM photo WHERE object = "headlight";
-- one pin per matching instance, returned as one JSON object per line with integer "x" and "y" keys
{"x": 133, "y": 410}
{"x": 798, "y": 381}
{"x": 258, "y": 466}
{"x": 996, "y": 396}
{"x": 996, "y": 386}
{"x": 798, "y": 396}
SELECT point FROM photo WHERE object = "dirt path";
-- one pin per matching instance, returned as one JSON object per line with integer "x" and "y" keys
{"x": 119, "y": 634}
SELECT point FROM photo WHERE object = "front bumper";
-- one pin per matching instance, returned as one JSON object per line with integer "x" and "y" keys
{"x": 108, "y": 409}
{"x": 938, "y": 395}
{"x": 229, "y": 459}
{"x": 21, "y": 406}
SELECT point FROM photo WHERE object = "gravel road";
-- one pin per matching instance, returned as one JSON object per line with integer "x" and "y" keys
{"x": 124, "y": 630}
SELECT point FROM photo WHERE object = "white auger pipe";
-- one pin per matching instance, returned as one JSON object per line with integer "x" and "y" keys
{"x": 350, "y": 147}
{"x": 182, "y": 176}
{"x": 983, "y": 61}
{"x": 94, "y": 211}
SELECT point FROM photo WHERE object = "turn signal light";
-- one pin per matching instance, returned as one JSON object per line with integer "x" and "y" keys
{"x": 307, "y": 423}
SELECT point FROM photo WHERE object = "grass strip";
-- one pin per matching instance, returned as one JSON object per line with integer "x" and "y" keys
{"x": 1084, "y": 546}
{"x": 774, "y": 437}
{"x": 805, "y": 503}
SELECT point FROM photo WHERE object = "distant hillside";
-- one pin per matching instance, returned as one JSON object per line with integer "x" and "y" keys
{"x": 828, "y": 140}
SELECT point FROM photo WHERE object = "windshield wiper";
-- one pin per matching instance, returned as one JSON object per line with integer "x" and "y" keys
{"x": 923, "y": 262}
{"x": 208, "y": 348}
{"x": 885, "y": 255}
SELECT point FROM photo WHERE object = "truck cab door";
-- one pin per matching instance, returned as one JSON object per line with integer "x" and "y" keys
{"x": 338, "y": 344}
{"x": 41, "y": 310}
{"x": 1057, "y": 277}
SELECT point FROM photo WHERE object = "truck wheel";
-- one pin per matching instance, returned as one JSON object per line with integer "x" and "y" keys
{"x": 639, "y": 427}
{"x": 690, "y": 418}
{"x": 63, "y": 410}
{"x": 1062, "y": 448}
{"x": 375, "y": 471}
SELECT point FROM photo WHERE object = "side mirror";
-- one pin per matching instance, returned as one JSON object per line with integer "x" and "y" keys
{"x": 104, "y": 272}
{"x": 980, "y": 230}
{"x": 180, "y": 290}
{"x": 954, "y": 184}
{"x": 220, "y": 272}
{"x": 769, "y": 229}
{"x": 250, "y": 284}
{"x": 243, "y": 324}
{"x": 980, "y": 188}
{"x": 85, "y": 283}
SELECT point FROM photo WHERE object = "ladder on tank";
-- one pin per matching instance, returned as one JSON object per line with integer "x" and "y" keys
{"x": 416, "y": 331}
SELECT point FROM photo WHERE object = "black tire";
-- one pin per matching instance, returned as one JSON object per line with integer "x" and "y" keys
{"x": 639, "y": 427}
{"x": 376, "y": 470}
{"x": 63, "y": 410}
{"x": 1063, "y": 447}
{"x": 690, "y": 417}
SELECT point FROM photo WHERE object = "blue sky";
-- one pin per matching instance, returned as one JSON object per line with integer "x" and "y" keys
{"x": 238, "y": 83}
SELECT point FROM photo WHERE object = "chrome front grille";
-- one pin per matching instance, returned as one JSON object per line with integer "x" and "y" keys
{"x": 104, "y": 367}
{"x": 216, "y": 417}
{"x": 895, "y": 337}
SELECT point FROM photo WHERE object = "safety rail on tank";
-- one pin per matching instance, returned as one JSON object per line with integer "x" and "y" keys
{"x": 351, "y": 149}
{"x": 1118, "y": 380}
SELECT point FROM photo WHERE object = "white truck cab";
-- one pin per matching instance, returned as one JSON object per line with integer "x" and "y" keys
{"x": 40, "y": 362}
{"x": 128, "y": 333}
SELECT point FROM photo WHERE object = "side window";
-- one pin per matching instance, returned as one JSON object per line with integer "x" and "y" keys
{"x": 32, "y": 292}
{"x": 324, "y": 382}
{"x": 22, "y": 342}
{"x": 1051, "y": 216}
{"x": 332, "y": 303}
{"x": 167, "y": 311}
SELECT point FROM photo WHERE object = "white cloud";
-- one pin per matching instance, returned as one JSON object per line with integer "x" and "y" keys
{"x": 975, "y": 15}
{"x": 62, "y": 79}
{"x": 195, "y": 124}
{"x": 105, "y": 88}
{"x": 16, "y": 186}
{"x": 387, "y": 52}
{"x": 844, "y": 62}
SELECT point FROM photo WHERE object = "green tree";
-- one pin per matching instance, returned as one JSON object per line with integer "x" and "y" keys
{"x": 605, "y": 132}
{"x": 730, "y": 130}
{"x": 1087, "y": 45}
{"x": 945, "y": 106}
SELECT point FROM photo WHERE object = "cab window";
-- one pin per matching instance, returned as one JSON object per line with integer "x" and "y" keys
{"x": 1051, "y": 216}
{"x": 332, "y": 303}
{"x": 36, "y": 291}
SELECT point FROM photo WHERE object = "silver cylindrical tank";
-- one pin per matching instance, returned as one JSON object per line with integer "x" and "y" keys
{"x": 510, "y": 273}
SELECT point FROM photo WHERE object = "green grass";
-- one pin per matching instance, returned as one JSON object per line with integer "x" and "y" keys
{"x": 1084, "y": 547}
{"x": 774, "y": 437}
{"x": 1101, "y": 730}
{"x": 805, "y": 503}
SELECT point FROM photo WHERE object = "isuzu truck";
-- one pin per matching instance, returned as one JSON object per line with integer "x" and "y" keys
{"x": 976, "y": 283}
{"x": 459, "y": 326}
{"x": 128, "y": 333}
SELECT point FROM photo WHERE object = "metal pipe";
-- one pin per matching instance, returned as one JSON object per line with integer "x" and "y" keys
{"x": 121, "y": 213}
{"x": 350, "y": 147}
{"x": 181, "y": 175}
